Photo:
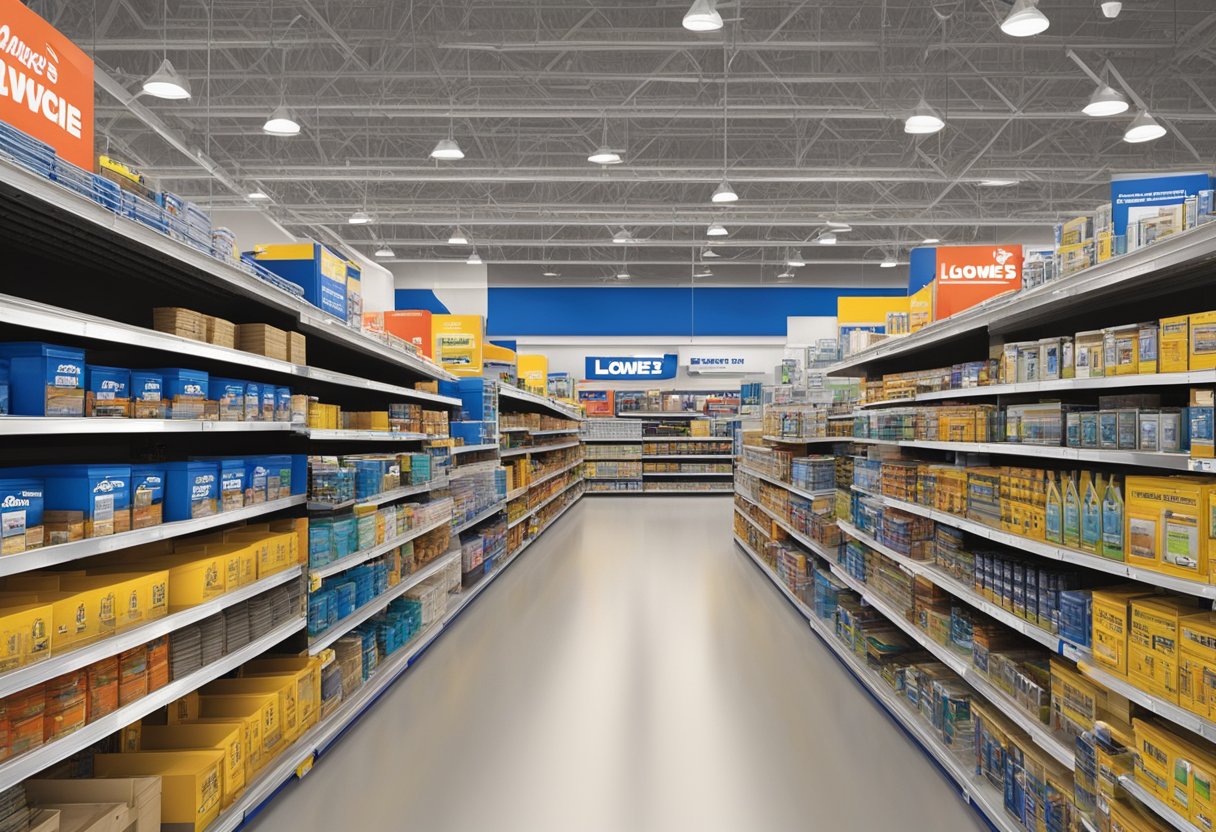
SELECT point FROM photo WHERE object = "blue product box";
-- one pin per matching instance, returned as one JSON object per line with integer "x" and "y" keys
{"x": 299, "y": 474}
{"x": 1076, "y": 615}
{"x": 185, "y": 391}
{"x": 3, "y": 386}
{"x": 229, "y": 393}
{"x": 232, "y": 479}
{"x": 192, "y": 490}
{"x": 21, "y": 505}
{"x": 256, "y": 473}
{"x": 147, "y": 495}
{"x": 282, "y": 404}
{"x": 252, "y": 405}
{"x": 99, "y": 496}
{"x": 147, "y": 389}
{"x": 315, "y": 268}
{"x": 269, "y": 398}
{"x": 451, "y": 389}
{"x": 470, "y": 432}
{"x": 44, "y": 379}
{"x": 278, "y": 476}
{"x": 479, "y": 399}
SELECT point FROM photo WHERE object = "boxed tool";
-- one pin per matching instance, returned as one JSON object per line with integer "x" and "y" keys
{"x": 185, "y": 392}
{"x": 147, "y": 395}
{"x": 191, "y": 490}
{"x": 220, "y": 332}
{"x": 262, "y": 339}
{"x": 21, "y": 515}
{"x": 1152, "y": 644}
{"x": 185, "y": 323}
{"x": 147, "y": 496}
{"x": 107, "y": 391}
{"x": 83, "y": 500}
{"x": 44, "y": 379}
{"x": 1203, "y": 341}
{"x": 226, "y": 737}
{"x": 316, "y": 268}
{"x": 1175, "y": 344}
{"x": 1169, "y": 525}
{"x": 195, "y": 706}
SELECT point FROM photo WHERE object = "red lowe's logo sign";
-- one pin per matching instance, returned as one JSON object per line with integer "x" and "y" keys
{"x": 967, "y": 275}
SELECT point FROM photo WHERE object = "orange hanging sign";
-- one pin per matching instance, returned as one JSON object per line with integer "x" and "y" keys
{"x": 968, "y": 275}
{"x": 46, "y": 84}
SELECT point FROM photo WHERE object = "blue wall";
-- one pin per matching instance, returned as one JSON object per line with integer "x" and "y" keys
{"x": 419, "y": 299}
{"x": 658, "y": 311}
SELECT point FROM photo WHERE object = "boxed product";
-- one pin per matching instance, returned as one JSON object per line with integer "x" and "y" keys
{"x": 184, "y": 392}
{"x": 282, "y": 404}
{"x": 1169, "y": 524}
{"x": 1148, "y": 342}
{"x": 21, "y": 515}
{"x": 199, "y": 573}
{"x": 139, "y": 797}
{"x": 262, "y": 708}
{"x": 1089, "y": 354}
{"x": 231, "y": 489}
{"x": 256, "y": 475}
{"x": 1203, "y": 341}
{"x": 229, "y": 394}
{"x": 1175, "y": 335}
{"x": 282, "y": 686}
{"x": 1197, "y": 664}
{"x": 191, "y": 490}
{"x": 185, "y": 323}
{"x": 147, "y": 392}
{"x": 1111, "y": 624}
{"x": 44, "y": 379}
{"x": 107, "y": 391}
{"x": 25, "y": 633}
{"x": 262, "y": 339}
{"x": 307, "y": 674}
{"x": 226, "y": 737}
{"x": 147, "y": 496}
{"x": 84, "y": 500}
{"x": 192, "y": 787}
{"x": 1201, "y": 419}
{"x": 267, "y": 403}
{"x": 297, "y": 348}
{"x": 411, "y": 325}
{"x": 1152, "y": 644}
{"x": 220, "y": 332}
{"x": 316, "y": 268}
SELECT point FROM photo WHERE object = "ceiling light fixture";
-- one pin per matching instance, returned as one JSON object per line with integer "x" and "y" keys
{"x": 359, "y": 218}
{"x": 930, "y": 241}
{"x": 257, "y": 196}
{"x": 725, "y": 193}
{"x": 826, "y": 238}
{"x": 837, "y": 225}
{"x": 167, "y": 83}
{"x": 703, "y": 16}
{"x": 888, "y": 263}
{"x": 795, "y": 261}
{"x": 997, "y": 183}
{"x": 785, "y": 277}
{"x": 623, "y": 236}
{"x": 716, "y": 230}
{"x": 1111, "y": 9}
{"x": 548, "y": 272}
{"x": 458, "y": 238}
{"x": 474, "y": 259}
{"x": 1024, "y": 20}
{"x": 623, "y": 274}
{"x": 447, "y": 150}
{"x": 281, "y": 123}
{"x": 1144, "y": 128}
{"x": 1106, "y": 101}
{"x": 605, "y": 155}
{"x": 704, "y": 272}
{"x": 709, "y": 254}
{"x": 923, "y": 121}
{"x": 384, "y": 251}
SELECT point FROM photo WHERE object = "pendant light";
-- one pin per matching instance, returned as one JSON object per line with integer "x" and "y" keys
{"x": 924, "y": 120}
{"x": 838, "y": 226}
{"x": 621, "y": 237}
{"x": 997, "y": 183}
{"x": 888, "y": 263}
{"x": 705, "y": 271}
{"x": 716, "y": 230}
{"x": 359, "y": 218}
{"x": 384, "y": 251}
{"x": 703, "y": 16}
{"x": 724, "y": 193}
{"x": 1024, "y": 20}
{"x": 1111, "y": 9}
{"x": 1106, "y": 101}
{"x": 930, "y": 241}
{"x": 458, "y": 238}
{"x": 623, "y": 274}
{"x": 605, "y": 155}
{"x": 795, "y": 260}
{"x": 448, "y": 150}
{"x": 549, "y": 272}
{"x": 826, "y": 238}
{"x": 281, "y": 123}
{"x": 709, "y": 254}
{"x": 1144, "y": 128}
{"x": 474, "y": 259}
{"x": 257, "y": 196}
{"x": 166, "y": 82}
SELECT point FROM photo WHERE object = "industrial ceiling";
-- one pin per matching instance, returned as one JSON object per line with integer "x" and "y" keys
{"x": 800, "y": 105}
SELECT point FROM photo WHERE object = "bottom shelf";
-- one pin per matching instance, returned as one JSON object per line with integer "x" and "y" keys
{"x": 975, "y": 791}
{"x": 295, "y": 761}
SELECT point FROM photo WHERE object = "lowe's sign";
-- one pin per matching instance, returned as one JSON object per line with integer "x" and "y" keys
{"x": 632, "y": 368}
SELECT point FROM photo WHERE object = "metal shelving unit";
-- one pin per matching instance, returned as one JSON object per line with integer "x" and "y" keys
{"x": 1144, "y": 459}
{"x": 552, "y": 405}
{"x": 363, "y": 556}
{"x": 1156, "y": 805}
{"x": 538, "y": 449}
{"x": 59, "y": 426}
{"x": 473, "y": 449}
{"x": 482, "y": 516}
{"x": 381, "y": 498}
{"x": 546, "y": 502}
{"x": 327, "y": 435}
{"x": 793, "y": 489}
{"x": 687, "y": 474}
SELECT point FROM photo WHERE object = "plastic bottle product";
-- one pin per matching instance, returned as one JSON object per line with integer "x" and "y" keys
{"x": 1091, "y": 512}
{"x": 1072, "y": 513}
{"x": 1054, "y": 514}
{"x": 1112, "y": 520}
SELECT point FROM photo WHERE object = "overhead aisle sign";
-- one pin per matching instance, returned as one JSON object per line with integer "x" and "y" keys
{"x": 717, "y": 360}
{"x": 46, "y": 84}
{"x": 630, "y": 368}
{"x": 970, "y": 275}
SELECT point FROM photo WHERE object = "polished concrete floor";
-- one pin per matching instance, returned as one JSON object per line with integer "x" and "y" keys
{"x": 631, "y": 672}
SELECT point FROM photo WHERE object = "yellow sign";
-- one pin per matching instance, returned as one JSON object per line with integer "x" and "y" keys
{"x": 534, "y": 372}
{"x": 920, "y": 309}
{"x": 459, "y": 341}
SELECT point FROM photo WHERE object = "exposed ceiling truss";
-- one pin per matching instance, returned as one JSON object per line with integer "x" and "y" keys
{"x": 816, "y": 95}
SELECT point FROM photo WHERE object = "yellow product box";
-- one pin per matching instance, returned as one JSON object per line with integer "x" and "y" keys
{"x": 140, "y": 596}
{"x": 225, "y": 737}
{"x": 1152, "y": 644}
{"x": 25, "y": 634}
{"x": 1105, "y": 246}
{"x": 1197, "y": 664}
{"x": 1175, "y": 345}
{"x": 250, "y": 726}
{"x": 191, "y": 782}
{"x": 298, "y": 527}
{"x": 1121, "y": 350}
{"x": 307, "y": 674}
{"x": 1111, "y": 620}
{"x": 263, "y": 707}
{"x": 1074, "y": 700}
{"x": 1203, "y": 341}
{"x": 1156, "y": 752}
{"x": 83, "y": 608}
{"x": 283, "y": 686}
{"x": 200, "y": 573}
{"x": 1128, "y": 816}
{"x": 1168, "y": 524}
{"x": 1088, "y": 355}
{"x": 1113, "y": 764}
{"x": 1203, "y": 802}
{"x": 275, "y": 551}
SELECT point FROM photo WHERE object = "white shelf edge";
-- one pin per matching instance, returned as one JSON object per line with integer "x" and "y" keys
{"x": 357, "y": 558}
{"x": 1154, "y": 804}
{"x": 340, "y": 435}
{"x": 538, "y": 450}
{"x": 687, "y": 474}
{"x": 24, "y": 766}
{"x": 807, "y": 440}
{"x": 599, "y": 440}
{"x": 565, "y": 411}
{"x": 381, "y": 498}
{"x": 554, "y": 432}
{"x": 688, "y": 439}
{"x": 517, "y": 521}
{"x": 793, "y": 489}
{"x": 682, "y": 457}
{"x": 1051, "y": 551}
{"x": 472, "y": 449}
{"x": 713, "y": 491}
{"x": 544, "y": 479}
{"x": 489, "y": 512}
{"x": 90, "y": 425}
{"x": 1166, "y": 710}
{"x": 1142, "y": 459}
{"x": 92, "y": 546}
{"x": 975, "y": 790}
{"x": 378, "y": 603}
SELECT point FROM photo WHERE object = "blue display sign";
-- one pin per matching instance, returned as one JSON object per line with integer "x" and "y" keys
{"x": 631, "y": 368}
{"x": 922, "y": 268}
{"x": 1136, "y": 197}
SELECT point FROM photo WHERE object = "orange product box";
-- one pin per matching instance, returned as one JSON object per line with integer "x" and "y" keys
{"x": 66, "y": 704}
{"x": 132, "y": 675}
{"x": 413, "y": 325}
{"x": 103, "y": 688}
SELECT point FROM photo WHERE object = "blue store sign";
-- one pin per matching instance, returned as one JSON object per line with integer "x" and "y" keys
{"x": 630, "y": 368}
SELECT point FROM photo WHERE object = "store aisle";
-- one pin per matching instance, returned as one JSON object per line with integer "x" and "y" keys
{"x": 633, "y": 672}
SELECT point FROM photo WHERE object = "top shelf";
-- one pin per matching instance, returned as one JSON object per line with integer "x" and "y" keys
{"x": 1182, "y": 256}
{"x": 77, "y": 228}
{"x": 659, "y": 416}
{"x": 514, "y": 394}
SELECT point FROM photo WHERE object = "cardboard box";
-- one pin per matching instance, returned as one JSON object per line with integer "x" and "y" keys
{"x": 220, "y": 332}
{"x": 1203, "y": 341}
{"x": 226, "y": 737}
{"x": 1152, "y": 643}
{"x": 1111, "y": 623}
{"x": 262, "y": 339}
{"x": 307, "y": 674}
{"x": 140, "y": 795}
{"x": 284, "y": 686}
{"x": 25, "y": 634}
{"x": 412, "y": 325}
{"x": 1175, "y": 344}
{"x": 297, "y": 348}
{"x": 258, "y": 711}
{"x": 92, "y": 817}
{"x": 191, "y": 781}
{"x": 185, "y": 323}
{"x": 1168, "y": 525}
